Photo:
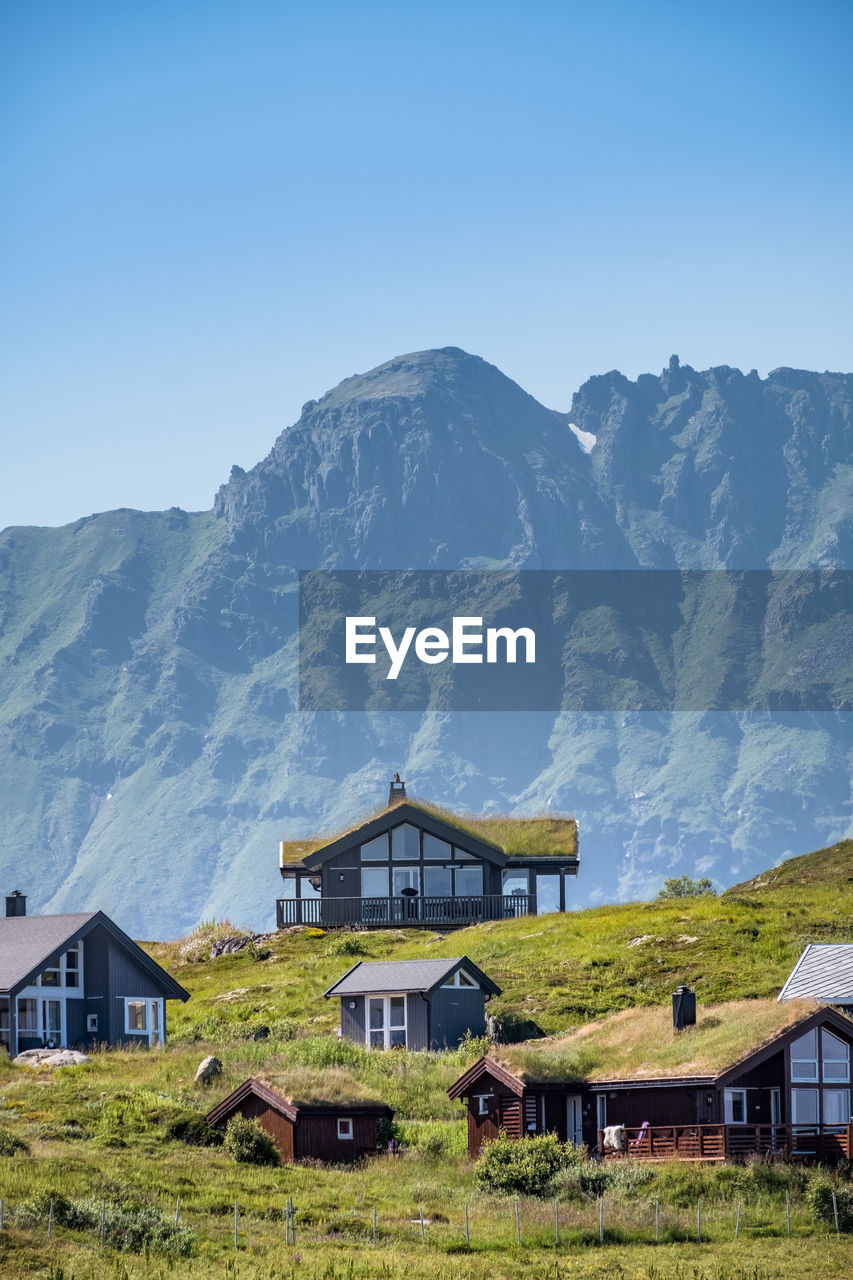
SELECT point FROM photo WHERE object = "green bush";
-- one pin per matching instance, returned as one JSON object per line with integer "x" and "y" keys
{"x": 11, "y": 1144}
{"x": 194, "y": 1130}
{"x": 819, "y": 1201}
{"x": 521, "y": 1166}
{"x": 247, "y": 1143}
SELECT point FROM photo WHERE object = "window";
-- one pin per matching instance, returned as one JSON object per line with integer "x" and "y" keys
{"x": 469, "y": 881}
{"x": 435, "y": 849}
{"x": 484, "y": 1103}
{"x": 804, "y": 1106}
{"x": 734, "y": 1101}
{"x": 804, "y": 1057}
{"x": 345, "y": 1130}
{"x": 386, "y": 1022}
{"x": 405, "y": 843}
{"x": 144, "y": 1017}
{"x": 136, "y": 1017}
{"x": 376, "y": 850}
{"x": 459, "y": 979}
{"x": 374, "y": 882}
{"x": 437, "y": 882}
{"x": 836, "y": 1057}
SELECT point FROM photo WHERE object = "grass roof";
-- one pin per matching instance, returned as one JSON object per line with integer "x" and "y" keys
{"x": 306, "y": 1086}
{"x": 546, "y": 836}
{"x": 639, "y": 1044}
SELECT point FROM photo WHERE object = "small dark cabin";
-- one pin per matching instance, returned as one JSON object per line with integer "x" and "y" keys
{"x": 413, "y": 1004}
{"x": 336, "y": 1133}
{"x": 787, "y": 1092}
{"x": 415, "y": 866}
{"x": 72, "y": 981}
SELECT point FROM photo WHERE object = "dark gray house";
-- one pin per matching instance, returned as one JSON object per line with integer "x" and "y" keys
{"x": 416, "y": 866}
{"x": 77, "y": 980}
{"x": 413, "y": 1004}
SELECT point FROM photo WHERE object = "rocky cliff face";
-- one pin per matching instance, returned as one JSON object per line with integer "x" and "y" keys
{"x": 153, "y": 754}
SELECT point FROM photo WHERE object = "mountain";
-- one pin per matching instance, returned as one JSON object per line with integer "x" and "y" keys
{"x": 153, "y": 753}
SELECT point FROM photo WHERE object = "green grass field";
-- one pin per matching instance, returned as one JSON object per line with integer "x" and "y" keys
{"x": 102, "y": 1131}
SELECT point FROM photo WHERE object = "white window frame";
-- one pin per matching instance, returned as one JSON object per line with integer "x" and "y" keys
{"x": 386, "y": 1020}
{"x": 148, "y": 1032}
{"x": 344, "y": 1124}
{"x": 729, "y": 1096}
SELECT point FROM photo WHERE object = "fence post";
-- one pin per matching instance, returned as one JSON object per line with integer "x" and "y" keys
{"x": 556, "y": 1221}
{"x": 467, "y": 1230}
{"x": 601, "y": 1219}
{"x": 423, "y": 1231}
{"x": 517, "y": 1223}
{"x": 737, "y": 1221}
{"x": 236, "y": 1225}
{"x": 103, "y": 1221}
{"x": 699, "y": 1220}
{"x": 834, "y": 1211}
{"x": 50, "y": 1219}
{"x": 178, "y": 1211}
{"x": 788, "y": 1209}
{"x": 374, "y": 1224}
{"x": 657, "y": 1221}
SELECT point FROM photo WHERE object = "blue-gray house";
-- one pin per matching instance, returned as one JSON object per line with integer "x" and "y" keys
{"x": 413, "y": 1004}
{"x": 72, "y": 981}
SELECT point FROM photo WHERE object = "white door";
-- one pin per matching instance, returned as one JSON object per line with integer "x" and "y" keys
{"x": 574, "y": 1119}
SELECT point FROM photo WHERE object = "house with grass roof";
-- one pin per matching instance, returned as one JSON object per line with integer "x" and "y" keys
{"x": 325, "y": 1115}
{"x": 749, "y": 1078}
{"x": 414, "y": 865}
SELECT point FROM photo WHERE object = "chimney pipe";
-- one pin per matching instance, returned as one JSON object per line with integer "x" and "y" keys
{"x": 397, "y": 790}
{"x": 16, "y": 903}
{"x": 683, "y": 1008}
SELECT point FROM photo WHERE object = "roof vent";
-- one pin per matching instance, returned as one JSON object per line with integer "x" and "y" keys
{"x": 683, "y": 1008}
{"x": 16, "y": 903}
{"x": 397, "y": 790}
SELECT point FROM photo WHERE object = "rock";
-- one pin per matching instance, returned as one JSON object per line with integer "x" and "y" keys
{"x": 51, "y": 1058}
{"x": 208, "y": 1069}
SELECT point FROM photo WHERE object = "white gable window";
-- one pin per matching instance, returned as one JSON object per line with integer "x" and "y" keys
{"x": 345, "y": 1130}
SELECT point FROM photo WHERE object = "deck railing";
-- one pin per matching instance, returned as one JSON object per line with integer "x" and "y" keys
{"x": 825, "y": 1143}
{"x": 401, "y": 912}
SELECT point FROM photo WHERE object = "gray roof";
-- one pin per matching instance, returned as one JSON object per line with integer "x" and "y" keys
{"x": 823, "y": 972}
{"x": 405, "y": 975}
{"x": 27, "y": 941}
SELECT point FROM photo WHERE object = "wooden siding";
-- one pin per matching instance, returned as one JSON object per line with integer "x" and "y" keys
{"x": 317, "y": 1136}
{"x": 456, "y": 1010}
{"x": 417, "y": 1021}
{"x": 352, "y": 1020}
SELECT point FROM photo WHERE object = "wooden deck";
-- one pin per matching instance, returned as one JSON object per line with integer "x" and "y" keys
{"x": 401, "y": 912}
{"x": 825, "y": 1144}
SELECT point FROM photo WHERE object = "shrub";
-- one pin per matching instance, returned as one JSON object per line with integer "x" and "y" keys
{"x": 11, "y": 1144}
{"x": 247, "y": 1143}
{"x": 819, "y": 1201}
{"x": 194, "y": 1130}
{"x": 346, "y": 944}
{"x": 521, "y": 1166}
{"x": 684, "y": 887}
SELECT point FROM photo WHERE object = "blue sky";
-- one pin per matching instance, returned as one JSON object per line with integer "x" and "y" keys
{"x": 211, "y": 212}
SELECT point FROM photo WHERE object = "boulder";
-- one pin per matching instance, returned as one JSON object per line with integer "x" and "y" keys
{"x": 51, "y": 1058}
{"x": 208, "y": 1069}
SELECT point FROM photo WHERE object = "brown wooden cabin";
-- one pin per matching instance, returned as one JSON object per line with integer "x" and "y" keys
{"x": 337, "y": 1133}
{"x": 789, "y": 1096}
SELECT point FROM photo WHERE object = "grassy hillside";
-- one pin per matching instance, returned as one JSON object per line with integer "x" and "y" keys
{"x": 557, "y": 970}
